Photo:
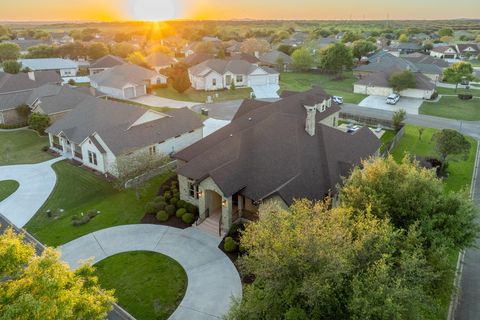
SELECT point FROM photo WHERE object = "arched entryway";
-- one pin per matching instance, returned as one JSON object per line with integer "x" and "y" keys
{"x": 213, "y": 203}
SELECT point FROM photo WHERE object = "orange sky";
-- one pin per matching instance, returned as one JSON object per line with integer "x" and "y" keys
{"x": 43, "y": 10}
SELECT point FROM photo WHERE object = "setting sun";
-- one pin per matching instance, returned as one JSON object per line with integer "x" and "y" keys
{"x": 154, "y": 10}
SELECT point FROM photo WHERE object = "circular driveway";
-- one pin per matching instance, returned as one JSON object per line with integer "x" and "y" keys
{"x": 36, "y": 183}
{"x": 212, "y": 278}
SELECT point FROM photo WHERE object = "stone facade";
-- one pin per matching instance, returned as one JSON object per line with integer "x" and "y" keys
{"x": 11, "y": 117}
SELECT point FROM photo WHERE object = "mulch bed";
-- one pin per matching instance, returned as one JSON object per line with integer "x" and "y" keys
{"x": 172, "y": 222}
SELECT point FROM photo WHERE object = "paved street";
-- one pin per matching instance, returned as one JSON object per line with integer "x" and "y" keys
{"x": 212, "y": 278}
{"x": 36, "y": 183}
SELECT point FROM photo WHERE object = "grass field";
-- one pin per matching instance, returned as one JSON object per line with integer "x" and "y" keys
{"x": 449, "y": 91}
{"x": 453, "y": 108}
{"x": 77, "y": 191}
{"x": 22, "y": 146}
{"x": 7, "y": 187}
{"x": 460, "y": 170}
{"x": 148, "y": 285}
{"x": 201, "y": 96}
{"x": 303, "y": 81}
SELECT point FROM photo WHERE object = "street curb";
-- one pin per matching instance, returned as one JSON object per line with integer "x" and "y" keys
{"x": 461, "y": 257}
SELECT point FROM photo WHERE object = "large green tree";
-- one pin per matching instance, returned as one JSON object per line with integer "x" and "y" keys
{"x": 445, "y": 32}
{"x": 302, "y": 60}
{"x": 9, "y": 51}
{"x": 458, "y": 71}
{"x": 43, "y": 287}
{"x": 12, "y": 66}
{"x": 403, "y": 80}
{"x": 178, "y": 77}
{"x": 336, "y": 58}
{"x": 38, "y": 122}
{"x": 97, "y": 50}
{"x": 41, "y": 51}
{"x": 450, "y": 142}
{"x": 361, "y": 48}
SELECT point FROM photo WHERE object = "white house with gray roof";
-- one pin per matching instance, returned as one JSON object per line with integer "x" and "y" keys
{"x": 98, "y": 133}
{"x": 126, "y": 81}
{"x": 65, "y": 67}
{"x": 217, "y": 74}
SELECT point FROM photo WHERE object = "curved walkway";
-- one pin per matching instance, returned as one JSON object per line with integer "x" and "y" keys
{"x": 36, "y": 183}
{"x": 212, "y": 278}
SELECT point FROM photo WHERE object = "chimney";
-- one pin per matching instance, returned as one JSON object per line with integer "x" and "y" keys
{"x": 31, "y": 75}
{"x": 256, "y": 54}
{"x": 310, "y": 121}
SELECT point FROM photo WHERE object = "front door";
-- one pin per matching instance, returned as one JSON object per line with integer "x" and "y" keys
{"x": 228, "y": 79}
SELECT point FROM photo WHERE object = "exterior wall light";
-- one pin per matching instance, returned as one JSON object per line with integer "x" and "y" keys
{"x": 224, "y": 203}
{"x": 200, "y": 193}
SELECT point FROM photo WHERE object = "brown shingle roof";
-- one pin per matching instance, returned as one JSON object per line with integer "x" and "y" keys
{"x": 107, "y": 61}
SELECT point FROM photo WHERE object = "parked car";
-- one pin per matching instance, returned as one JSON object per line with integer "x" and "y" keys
{"x": 393, "y": 98}
{"x": 337, "y": 99}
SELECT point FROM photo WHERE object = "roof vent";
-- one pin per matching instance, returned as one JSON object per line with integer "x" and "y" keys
{"x": 231, "y": 134}
{"x": 249, "y": 119}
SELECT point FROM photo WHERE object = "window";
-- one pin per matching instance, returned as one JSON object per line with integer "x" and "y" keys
{"x": 152, "y": 150}
{"x": 92, "y": 157}
{"x": 192, "y": 189}
{"x": 214, "y": 82}
{"x": 239, "y": 78}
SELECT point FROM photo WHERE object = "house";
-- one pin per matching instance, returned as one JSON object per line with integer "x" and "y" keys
{"x": 216, "y": 74}
{"x": 283, "y": 150}
{"x": 378, "y": 84}
{"x": 61, "y": 38}
{"x": 444, "y": 52}
{"x": 159, "y": 61}
{"x": 126, "y": 81}
{"x": 197, "y": 58}
{"x": 104, "y": 63}
{"x": 233, "y": 47}
{"x": 274, "y": 59}
{"x": 64, "y": 67}
{"x": 16, "y": 89}
{"x": 244, "y": 56}
{"x": 467, "y": 50}
{"x": 404, "y": 48}
{"x": 55, "y": 100}
{"x": 296, "y": 40}
{"x": 98, "y": 133}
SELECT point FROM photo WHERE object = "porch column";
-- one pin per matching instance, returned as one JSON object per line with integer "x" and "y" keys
{"x": 240, "y": 205}
{"x": 202, "y": 202}
{"x": 227, "y": 209}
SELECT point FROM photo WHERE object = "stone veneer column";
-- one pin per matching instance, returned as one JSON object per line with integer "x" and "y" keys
{"x": 227, "y": 214}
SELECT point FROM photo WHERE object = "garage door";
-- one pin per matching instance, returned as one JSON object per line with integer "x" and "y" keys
{"x": 257, "y": 80}
{"x": 140, "y": 91}
{"x": 129, "y": 93}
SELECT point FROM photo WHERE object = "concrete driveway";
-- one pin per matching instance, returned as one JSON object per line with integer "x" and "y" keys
{"x": 220, "y": 110}
{"x": 410, "y": 105}
{"x": 156, "y": 101}
{"x": 212, "y": 278}
{"x": 267, "y": 91}
{"x": 36, "y": 183}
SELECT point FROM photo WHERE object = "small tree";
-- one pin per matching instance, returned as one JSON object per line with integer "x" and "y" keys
{"x": 403, "y": 38}
{"x": 302, "y": 60}
{"x": 361, "y": 48}
{"x": 398, "y": 118}
{"x": 179, "y": 78}
{"x": 232, "y": 85}
{"x": 457, "y": 72}
{"x": 137, "y": 58}
{"x": 23, "y": 111}
{"x": 445, "y": 32}
{"x": 71, "y": 82}
{"x": 36, "y": 286}
{"x": 450, "y": 142}
{"x": 403, "y": 80}
{"x": 335, "y": 58}
{"x": 221, "y": 53}
{"x": 12, "y": 66}
{"x": 420, "y": 133}
{"x": 38, "y": 122}
{"x": 9, "y": 51}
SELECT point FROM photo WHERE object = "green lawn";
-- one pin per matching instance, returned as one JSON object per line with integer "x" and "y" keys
{"x": 296, "y": 81}
{"x": 148, "y": 285}
{"x": 78, "y": 191}
{"x": 449, "y": 91}
{"x": 460, "y": 170}
{"x": 386, "y": 138}
{"x": 7, "y": 187}
{"x": 23, "y": 146}
{"x": 201, "y": 96}
{"x": 453, "y": 108}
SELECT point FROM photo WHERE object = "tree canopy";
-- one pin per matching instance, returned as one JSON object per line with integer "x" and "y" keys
{"x": 302, "y": 60}
{"x": 458, "y": 71}
{"x": 253, "y": 45}
{"x": 403, "y": 80}
{"x": 361, "y": 48}
{"x": 335, "y": 58}
{"x": 450, "y": 142}
{"x": 9, "y": 51}
{"x": 97, "y": 50}
{"x": 12, "y": 66}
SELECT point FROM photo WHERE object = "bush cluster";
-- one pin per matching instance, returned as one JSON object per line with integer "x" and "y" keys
{"x": 230, "y": 245}
{"x": 84, "y": 218}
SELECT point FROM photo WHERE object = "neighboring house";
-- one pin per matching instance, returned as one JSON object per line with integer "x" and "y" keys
{"x": 15, "y": 90}
{"x": 105, "y": 63}
{"x": 25, "y": 44}
{"x": 55, "y": 101}
{"x": 467, "y": 50}
{"x": 211, "y": 39}
{"x": 273, "y": 59}
{"x": 404, "y": 48}
{"x": 126, "y": 81}
{"x": 244, "y": 56}
{"x": 159, "y": 61}
{"x": 296, "y": 40}
{"x": 284, "y": 150}
{"x": 444, "y": 52}
{"x": 64, "y": 67}
{"x": 378, "y": 84}
{"x": 61, "y": 38}
{"x": 415, "y": 62}
{"x": 98, "y": 133}
{"x": 233, "y": 47}
{"x": 216, "y": 74}
{"x": 197, "y": 58}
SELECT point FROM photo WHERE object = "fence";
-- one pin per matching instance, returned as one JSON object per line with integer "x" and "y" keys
{"x": 389, "y": 147}
{"x": 368, "y": 121}
{"x": 150, "y": 174}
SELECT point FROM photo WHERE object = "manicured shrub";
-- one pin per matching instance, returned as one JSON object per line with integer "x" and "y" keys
{"x": 191, "y": 208}
{"x": 45, "y": 148}
{"x": 151, "y": 207}
{"x": 159, "y": 199}
{"x": 84, "y": 218}
{"x": 181, "y": 212}
{"x": 167, "y": 195}
{"x": 164, "y": 188}
{"x": 161, "y": 205}
{"x": 188, "y": 218}
{"x": 173, "y": 201}
{"x": 181, "y": 204}
{"x": 162, "y": 215}
{"x": 235, "y": 229}
{"x": 230, "y": 245}
{"x": 170, "y": 209}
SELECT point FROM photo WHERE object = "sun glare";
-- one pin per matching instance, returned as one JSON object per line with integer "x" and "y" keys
{"x": 154, "y": 10}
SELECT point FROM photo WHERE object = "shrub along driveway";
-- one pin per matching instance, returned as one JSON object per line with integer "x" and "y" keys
{"x": 212, "y": 278}
{"x": 36, "y": 183}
